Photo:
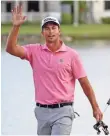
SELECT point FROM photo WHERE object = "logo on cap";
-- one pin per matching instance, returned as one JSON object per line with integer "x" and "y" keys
{"x": 49, "y": 19}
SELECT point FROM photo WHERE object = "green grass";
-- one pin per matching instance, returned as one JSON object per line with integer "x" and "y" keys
{"x": 87, "y": 31}
{"x": 94, "y": 31}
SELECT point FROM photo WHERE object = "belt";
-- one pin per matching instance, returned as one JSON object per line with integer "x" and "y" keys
{"x": 54, "y": 105}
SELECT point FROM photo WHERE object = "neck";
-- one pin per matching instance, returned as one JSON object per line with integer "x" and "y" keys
{"x": 54, "y": 46}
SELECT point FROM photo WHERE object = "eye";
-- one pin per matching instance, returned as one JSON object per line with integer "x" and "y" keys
{"x": 54, "y": 27}
{"x": 46, "y": 28}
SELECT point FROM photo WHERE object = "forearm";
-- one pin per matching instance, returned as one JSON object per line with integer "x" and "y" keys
{"x": 90, "y": 94}
{"x": 12, "y": 38}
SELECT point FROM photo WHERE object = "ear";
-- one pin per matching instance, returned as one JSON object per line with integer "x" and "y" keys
{"x": 42, "y": 33}
{"x": 59, "y": 32}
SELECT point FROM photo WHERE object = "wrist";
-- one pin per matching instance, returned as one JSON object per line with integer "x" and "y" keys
{"x": 16, "y": 26}
{"x": 95, "y": 107}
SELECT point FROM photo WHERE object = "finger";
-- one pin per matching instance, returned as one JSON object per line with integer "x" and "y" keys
{"x": 97, "y": 118}
{"x": 101, "y": 116}
{"x": 17, "y": 9}
{"x": 24, "y": 18}
{"x": 20, "y": 9}
{"x": 12, "y": 11}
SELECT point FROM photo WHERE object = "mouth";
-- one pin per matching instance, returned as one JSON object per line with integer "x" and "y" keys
{"x": 51, "y": 36}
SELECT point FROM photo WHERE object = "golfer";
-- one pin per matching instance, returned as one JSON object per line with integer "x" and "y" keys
{"x": 55, "y": 67}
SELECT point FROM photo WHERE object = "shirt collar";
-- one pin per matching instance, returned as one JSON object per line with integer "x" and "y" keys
{"x": 62, "y": 48}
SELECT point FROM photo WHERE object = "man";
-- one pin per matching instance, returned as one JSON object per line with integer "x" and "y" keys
{"x": 55, "y": 68}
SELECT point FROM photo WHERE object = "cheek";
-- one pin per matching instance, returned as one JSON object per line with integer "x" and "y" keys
{"x": 58, "y": 34}
{"x": 45, "y": 34}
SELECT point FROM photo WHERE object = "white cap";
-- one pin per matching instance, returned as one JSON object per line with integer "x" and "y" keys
{"x": 49, "y": 19}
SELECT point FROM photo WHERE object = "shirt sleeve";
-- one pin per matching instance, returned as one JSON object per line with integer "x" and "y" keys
{"x": 30, "y": 51}
{"x": 27, "y": 52}
{"x": 77, "y": 67}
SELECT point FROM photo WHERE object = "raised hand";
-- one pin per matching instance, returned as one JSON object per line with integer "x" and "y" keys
{"x": 17, "y": 16}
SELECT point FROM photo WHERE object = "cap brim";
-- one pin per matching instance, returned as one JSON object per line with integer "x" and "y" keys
{"x": 50, "y": 22}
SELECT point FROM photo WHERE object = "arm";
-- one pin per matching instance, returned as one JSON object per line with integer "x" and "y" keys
{"x": 11, "y": 46}
{"x": 80, "y": 74}
{"x": 84, "y": 82}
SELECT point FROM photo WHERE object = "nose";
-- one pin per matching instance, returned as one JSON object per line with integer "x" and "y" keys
{"x": 50, "y": 31}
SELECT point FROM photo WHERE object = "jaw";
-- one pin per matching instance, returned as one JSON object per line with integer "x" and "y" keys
{"x": 52, "y": 39}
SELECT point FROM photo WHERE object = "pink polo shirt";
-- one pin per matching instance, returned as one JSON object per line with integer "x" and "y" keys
{"x": 54, "y": 74}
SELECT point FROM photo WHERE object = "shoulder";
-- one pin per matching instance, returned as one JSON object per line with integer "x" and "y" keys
{"x": 36, "y": 45}
{"x": 72, "y": 51}
{"x": 33, "y": 47}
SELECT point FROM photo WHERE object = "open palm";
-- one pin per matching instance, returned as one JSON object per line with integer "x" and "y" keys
{"x": 17, "y": 16}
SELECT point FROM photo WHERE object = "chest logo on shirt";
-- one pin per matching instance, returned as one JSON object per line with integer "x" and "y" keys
{"x": 61, "y": 60}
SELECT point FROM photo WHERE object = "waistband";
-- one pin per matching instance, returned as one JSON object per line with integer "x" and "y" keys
{"x": 54, "y": 105}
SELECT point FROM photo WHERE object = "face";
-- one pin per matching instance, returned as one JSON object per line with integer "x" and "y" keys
{"x": 51, "y": 32}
